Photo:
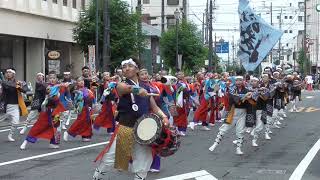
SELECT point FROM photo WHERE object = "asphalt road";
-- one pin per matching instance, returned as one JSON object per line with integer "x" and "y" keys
{"x": 272, "y": 160}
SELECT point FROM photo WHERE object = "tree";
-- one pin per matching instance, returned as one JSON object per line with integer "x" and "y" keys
{"x": 190, "y": 46}
{"x": 303, "y": 61}
{"x": 124, "y": 39}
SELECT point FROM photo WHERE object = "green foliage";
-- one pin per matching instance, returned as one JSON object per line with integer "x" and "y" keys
{"x": 190, "y": 46}
{"x": 124, "y": 39}
{"x": 303, "y": 61}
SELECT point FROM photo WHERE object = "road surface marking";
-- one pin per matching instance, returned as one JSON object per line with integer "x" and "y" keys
{"x": 300, "y": 109}
{"x": 5, "y": 130}
{"x": 309, "y": 97}
{"x": 312, "y": 109}
{"x": 52, "y": 153}
{"x": 303, "y": 165}
{"x": 198, "y": 175}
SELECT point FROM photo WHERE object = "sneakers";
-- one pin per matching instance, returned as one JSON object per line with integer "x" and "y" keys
{"x": 267, "y": 136}
{"x": 238, "y": 151}
{"x": 211, "y": 124}
{"x": 64, "y": 127}
{"x": 24, "y": 145}
{"x": 192, "y": 125}
{"x": 254, "y": 143}
{"x": 278, "y": 123}
{"x": 154, "y": 170}
{"x": 248, "y": 130}
{"x": 213, "y": 147}
{"x": 181, "y": 133}
{"x": 23, "y": 130}
{"x": 54, "y": 146}
{"x": 205, "y": 128}
{"x": 235, "y": 142}
{"x": 65, "y": 136}
{"x": 86, "y": 139}
{"x": 276, "y": 126}
{"x": 10, "y": 138}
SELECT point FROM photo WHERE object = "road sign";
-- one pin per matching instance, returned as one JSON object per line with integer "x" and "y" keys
{"x": 222, "y": 47}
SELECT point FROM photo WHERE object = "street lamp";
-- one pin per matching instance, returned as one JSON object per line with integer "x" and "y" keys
{"x": 177, "y": 16}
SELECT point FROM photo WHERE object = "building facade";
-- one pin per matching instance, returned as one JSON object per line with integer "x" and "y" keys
{"x": 313, "y": 34}
{"x": 32, "y": 29}
{"x": 151, "y": 11}
{"x": 288, "y": 16}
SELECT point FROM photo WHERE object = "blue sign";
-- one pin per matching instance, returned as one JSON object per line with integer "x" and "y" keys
{"x": 222, "y": 47}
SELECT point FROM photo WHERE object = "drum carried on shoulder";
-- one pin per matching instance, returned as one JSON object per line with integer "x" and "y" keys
{"x": 149, "y": 130}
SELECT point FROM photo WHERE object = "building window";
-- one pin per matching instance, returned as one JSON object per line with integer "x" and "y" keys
{"x": 290, "y": 17}
{"x": 65, "y": 3}
{"x": 285, "y": 31}
{"x": 173, "y": 2}
{"x": 146, "y": 2}
{"x": 55, "y": 1}
{"x": 171, "y": 22}
{"x": 278, "y": 17}
{"x": 300, "y": 18}
{"x": 290, "y": 31}
{"x": 74, "y": 4}
{"x": 285, "y": 17}
{"x": 83, "y": 4}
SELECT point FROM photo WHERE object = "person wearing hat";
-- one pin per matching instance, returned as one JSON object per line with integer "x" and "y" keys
{"x": 13, "y": 100}
{"x": 39, "y": 96}
{"x": 237, "y": 115}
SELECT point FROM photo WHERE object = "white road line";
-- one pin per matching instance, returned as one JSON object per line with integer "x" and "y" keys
{"x": 51, "y": 154}
{"x": 309, "y": 97}
{"x": 198, "y": 175}
{"x": 5, "y": 130}
{"x": 303, "y": 165}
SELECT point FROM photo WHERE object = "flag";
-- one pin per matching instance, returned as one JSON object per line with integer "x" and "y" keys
{"x": 257, "y": 37}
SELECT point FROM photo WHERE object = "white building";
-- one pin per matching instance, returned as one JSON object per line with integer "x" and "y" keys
{"x": 151, "y": 11}
{"x": 288, "y": 16}
{"x": 313, "y": 34}
{"x": 30, "y": 29}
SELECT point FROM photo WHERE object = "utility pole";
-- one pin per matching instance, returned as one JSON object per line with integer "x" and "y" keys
{"x": 139, "y": 9}
{"x": 203, "y": 26}
{"x": 98, "y": 62}
{"x": 207, "y": 24}
{"x": 233, "y": 50}
{"x": 184, "y": 15}
{"x": 271, "y": 18}
{"x": 280, "y": 27}
{"x": 210, "y": 38}
{"x": 305, "y": 32}
{"x": 106, "y": 39}
{"x": 162, "y": 16}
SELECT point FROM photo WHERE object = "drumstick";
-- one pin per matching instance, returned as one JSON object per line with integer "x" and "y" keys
{"x": 153, "y": 94}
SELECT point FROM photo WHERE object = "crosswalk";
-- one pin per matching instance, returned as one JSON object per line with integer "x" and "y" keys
{"x": 308, "y": 109}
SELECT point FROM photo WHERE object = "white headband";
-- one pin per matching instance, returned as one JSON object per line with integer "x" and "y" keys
{"x": 66, "y": 73}
{"x": 129, "y": 61}
{"x": 265, "y": 75}
{"x": 254, "y": 78}
{"x": 11, "y": 70}
{"x": 239, "y": 77}
{"x": 276, "y": 72}
{"x": 40, "y": 74}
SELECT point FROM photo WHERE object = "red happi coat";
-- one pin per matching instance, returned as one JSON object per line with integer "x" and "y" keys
{"x": 181, "y": 120}
{"x": 82, "y": 126}
{"x": 105, "y": 119}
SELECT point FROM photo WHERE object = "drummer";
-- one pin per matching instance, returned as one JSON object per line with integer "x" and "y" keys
{"x": 134, "y": 102}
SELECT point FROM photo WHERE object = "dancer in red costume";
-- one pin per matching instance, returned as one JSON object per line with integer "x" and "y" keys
{"x": 82, "y": 126}
{"x": 105, "y": 119}
{"x": 182, "y": 102}
{"x": 49, "y": 119}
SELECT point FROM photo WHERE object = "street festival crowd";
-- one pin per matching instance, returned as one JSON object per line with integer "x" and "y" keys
{"x": 146, "y": 117}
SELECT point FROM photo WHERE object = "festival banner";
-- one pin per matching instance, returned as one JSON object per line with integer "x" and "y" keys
{"x": 257, "y": 38}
